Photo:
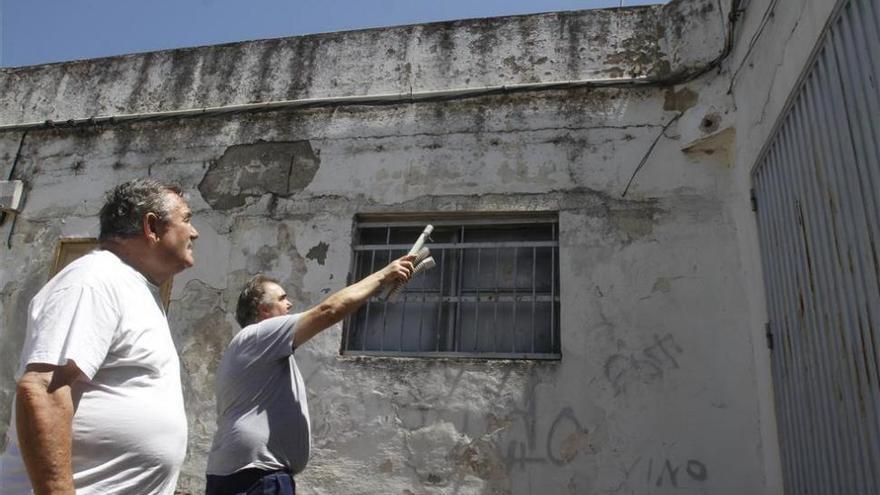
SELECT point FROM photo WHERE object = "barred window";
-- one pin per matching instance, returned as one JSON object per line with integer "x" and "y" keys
{"x": 494, "y": 291}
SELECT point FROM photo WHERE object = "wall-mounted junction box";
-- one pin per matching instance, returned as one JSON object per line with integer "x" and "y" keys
{"x": 10, "y": 195}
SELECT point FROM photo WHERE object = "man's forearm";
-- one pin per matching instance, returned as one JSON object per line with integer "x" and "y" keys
{"x": 336, "y": 307}
{"x": 43, "y": 422}
{"x": 340, "y": 304}
{"x": 353, "y": 296}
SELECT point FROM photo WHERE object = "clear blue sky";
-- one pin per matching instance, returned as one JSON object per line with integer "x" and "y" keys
{"x": 42, "y": 31}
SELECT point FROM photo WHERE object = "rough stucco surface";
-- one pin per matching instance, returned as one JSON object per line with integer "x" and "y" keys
{"x": 655, "y": 392}
{"x": 599, "y": 44}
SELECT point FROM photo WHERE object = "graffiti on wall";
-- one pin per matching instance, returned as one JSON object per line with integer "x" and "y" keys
{"x": 646, "y": 473}
{"x": 560, "y": 444}
{"x": 645, "y": 365}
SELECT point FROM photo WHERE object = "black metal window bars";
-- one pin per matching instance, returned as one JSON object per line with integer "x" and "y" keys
{"x": 493, "y": 294}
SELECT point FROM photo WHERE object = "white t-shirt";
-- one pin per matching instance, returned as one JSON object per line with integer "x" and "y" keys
{"x": 262, "y": 412}
{"x": 129, "y": 425}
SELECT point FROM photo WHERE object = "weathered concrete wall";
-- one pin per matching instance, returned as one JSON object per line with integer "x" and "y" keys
{"x": 656, "y": 390}
{"x": 653, "y": 41}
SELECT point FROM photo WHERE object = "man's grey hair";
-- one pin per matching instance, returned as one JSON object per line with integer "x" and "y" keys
{"x": 253, "y": 294}
{"x": 127, "y": 203}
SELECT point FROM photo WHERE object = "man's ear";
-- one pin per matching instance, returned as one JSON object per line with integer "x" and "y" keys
{"x": 151, "y": 225}
{"x": 261, "y": 311}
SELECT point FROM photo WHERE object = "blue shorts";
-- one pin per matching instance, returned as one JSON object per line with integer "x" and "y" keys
{"x": 251, "y": 482}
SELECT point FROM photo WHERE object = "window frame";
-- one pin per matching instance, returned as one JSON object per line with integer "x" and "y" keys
{"x": 453, "y": 333}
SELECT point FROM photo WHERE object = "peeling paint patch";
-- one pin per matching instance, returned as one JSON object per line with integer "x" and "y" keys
{"x": 263, "y": 260}
{"x": 662, "y": 285}
{"x": 429, "y": 450}
{"x": 635, "y": 224}
{"x": 679, "y": 100}
{"x": 483, "y": 459}
{"x": 280, "y": 168}
{"x": 318, "y": 253}
{"x": 573, "y": 443}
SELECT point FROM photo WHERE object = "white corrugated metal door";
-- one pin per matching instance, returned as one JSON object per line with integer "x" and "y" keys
{"x": 817, "y": 190}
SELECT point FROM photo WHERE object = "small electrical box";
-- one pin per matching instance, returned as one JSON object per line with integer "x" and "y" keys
{"x": 10, "y": 195}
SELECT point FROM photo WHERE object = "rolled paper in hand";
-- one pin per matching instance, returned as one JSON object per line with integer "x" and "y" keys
{"x": 421, "y": 254}
{"x": 424, "y": 264}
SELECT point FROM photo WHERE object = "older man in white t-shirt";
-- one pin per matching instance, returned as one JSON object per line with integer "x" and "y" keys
{"x": 99, "y": 407}
{"x": 263, "y": 437}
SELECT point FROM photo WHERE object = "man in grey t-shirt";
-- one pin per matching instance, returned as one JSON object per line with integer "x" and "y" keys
{"x": 263, "y": 435}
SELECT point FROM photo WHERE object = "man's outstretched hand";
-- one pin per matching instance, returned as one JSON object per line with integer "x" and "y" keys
{"x": 398, "y": 271}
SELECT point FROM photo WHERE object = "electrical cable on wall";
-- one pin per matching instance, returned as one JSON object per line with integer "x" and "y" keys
{"x": 10, "y": 176}
{"x": 648, "y": 153}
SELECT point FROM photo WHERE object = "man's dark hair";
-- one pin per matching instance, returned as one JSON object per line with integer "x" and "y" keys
{"x": 127, "y": 203}
{"x": 251, "y": 297}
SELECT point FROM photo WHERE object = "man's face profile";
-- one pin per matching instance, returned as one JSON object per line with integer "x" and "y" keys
{"x": 275, "y": 301}
{"x": 177, "y": 233}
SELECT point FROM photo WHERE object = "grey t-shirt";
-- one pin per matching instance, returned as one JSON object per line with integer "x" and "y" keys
{"x": 262, "y": 413}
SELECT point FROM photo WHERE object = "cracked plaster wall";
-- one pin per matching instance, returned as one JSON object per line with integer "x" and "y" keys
{"x": 653, "y": 41}
{"x": 656, "y": 389}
